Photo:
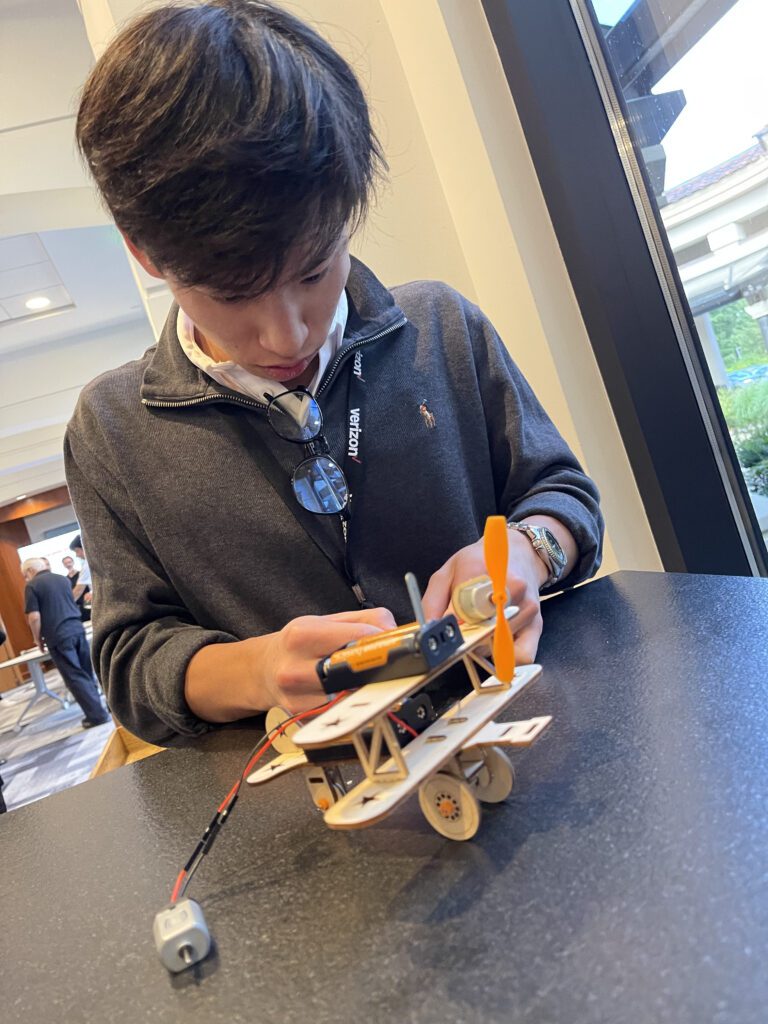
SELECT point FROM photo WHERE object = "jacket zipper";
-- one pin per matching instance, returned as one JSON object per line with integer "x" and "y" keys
{"x": 252, "y": 403}
{"x": 341, "y": 356}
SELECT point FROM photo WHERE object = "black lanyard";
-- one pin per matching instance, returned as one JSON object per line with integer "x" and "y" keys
{"x": 329, "y": 533}
{"x": 352, "y": 463}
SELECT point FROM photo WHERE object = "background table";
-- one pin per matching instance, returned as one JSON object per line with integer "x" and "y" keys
{"x": 626, "y": 879}
{"x": 33, "y": 659}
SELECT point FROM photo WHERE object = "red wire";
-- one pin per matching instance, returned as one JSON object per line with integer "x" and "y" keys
{"x": 279, "y": 732}
{"x": 178, "y": 885}
{"x": 402, "y": 724}
{"x": 259, "y": 753}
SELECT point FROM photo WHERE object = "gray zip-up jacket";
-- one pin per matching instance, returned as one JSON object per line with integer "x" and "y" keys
{"x": 182, "y": 489}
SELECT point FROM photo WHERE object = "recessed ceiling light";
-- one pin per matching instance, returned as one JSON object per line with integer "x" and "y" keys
{"x": 20, "y": 497}
{"x": 38, "y": 302}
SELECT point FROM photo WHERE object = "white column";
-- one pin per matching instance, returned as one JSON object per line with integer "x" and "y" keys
{"x": 102, "y": 19}
{"x": 712, "y": 353}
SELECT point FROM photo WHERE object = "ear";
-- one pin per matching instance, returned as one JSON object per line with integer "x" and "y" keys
{"x": 141, "y": 257}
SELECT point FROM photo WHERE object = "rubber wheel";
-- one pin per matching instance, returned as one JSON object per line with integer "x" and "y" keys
{"x": 496, "y": 779}
{"x": 450, "y": 806}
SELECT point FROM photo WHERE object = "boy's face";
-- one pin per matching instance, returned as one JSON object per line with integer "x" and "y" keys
{"x": 276, "y": 335}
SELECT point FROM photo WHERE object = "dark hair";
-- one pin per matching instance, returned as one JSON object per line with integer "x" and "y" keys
{"x": 75, "y": 543}
{"x": 227, "y": 138}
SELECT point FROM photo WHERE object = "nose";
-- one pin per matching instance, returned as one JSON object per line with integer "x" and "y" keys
{"x": 281, "y": 328}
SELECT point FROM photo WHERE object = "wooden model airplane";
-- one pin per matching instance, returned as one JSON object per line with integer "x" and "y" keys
{"x": 456, "y": 760}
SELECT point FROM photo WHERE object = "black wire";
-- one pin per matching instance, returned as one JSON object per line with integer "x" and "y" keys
{"x": 208, "y": 837}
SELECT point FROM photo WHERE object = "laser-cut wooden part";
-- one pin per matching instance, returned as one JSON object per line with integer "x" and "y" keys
{"x": 512, "y": 734}
{"x": 283, "y": 743}
{"x": 495, "y": 779}
{"x": 373, "y": 799}
{"x": 280, "y": 765}
{"x": 325, "y": 785}
{"x": 364, "y": 706}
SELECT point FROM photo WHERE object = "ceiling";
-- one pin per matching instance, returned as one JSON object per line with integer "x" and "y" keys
{"x": 90, "y": 266}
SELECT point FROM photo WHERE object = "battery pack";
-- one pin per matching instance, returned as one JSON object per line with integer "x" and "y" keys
{"x": 409, "y": 651}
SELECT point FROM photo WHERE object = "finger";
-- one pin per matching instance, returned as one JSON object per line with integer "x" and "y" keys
{"x": 316, "y": 637}
{"x": 437, "y": 596}
{"x": 527, "y": 642}
{"x": 380, "y": 617}
{"x": 528, "y": 610}
{"x": 296, "y": 703}
{"x": 517, "y": 589}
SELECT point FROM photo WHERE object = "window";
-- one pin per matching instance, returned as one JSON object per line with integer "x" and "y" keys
{"x": 646, "y": 124}
{"x": 697, "y": 99}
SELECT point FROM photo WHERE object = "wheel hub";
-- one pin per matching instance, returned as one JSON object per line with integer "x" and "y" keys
{"x": 447, "y": 806}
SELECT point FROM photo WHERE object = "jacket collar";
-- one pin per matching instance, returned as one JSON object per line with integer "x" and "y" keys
{"x": 171, "y": 377}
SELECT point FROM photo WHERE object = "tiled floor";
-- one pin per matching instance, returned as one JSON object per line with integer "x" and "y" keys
{"x": 52, "y": 751}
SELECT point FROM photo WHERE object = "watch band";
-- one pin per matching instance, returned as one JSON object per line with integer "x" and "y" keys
{"x": 546, "y": 546}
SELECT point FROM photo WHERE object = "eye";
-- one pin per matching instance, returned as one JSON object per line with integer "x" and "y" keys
{"x": 314, "y": 278}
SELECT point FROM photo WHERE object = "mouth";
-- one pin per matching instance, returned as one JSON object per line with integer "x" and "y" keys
{"x": 284, "y": 373}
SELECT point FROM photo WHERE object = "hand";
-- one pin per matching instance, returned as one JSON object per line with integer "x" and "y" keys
{"x": 287, "y": 660}
{"x": 526, "y": 572}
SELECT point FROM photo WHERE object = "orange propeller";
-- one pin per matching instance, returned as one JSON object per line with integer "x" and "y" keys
{"x": 496, "y": 550}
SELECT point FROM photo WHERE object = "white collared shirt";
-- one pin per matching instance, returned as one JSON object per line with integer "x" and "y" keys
{"x": 236, "y": 378}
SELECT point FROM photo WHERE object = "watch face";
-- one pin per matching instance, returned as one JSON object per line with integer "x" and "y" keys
{"x": 554, "y": 543}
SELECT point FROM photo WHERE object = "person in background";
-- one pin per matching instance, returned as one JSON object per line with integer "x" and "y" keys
{"x": 73, "y": 575}
{"x": 54, "y": 619}
{"x": 3, "y": 808}
{"x": 82, "y": 589}
{"x": 3, "y": 638}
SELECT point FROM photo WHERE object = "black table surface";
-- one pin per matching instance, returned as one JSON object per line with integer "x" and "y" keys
{"x": 625, "y": 879}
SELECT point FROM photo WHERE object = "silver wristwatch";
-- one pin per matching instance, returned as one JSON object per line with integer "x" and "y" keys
{"x": 547, "y": 547}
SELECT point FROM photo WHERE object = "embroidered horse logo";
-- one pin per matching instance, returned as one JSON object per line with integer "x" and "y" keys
{"x": 426, "y": 415}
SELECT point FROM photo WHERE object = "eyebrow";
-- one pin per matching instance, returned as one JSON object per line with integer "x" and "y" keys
{"x": 311, "y": 266}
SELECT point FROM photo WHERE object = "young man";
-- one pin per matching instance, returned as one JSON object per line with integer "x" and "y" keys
{"x": 83, "y": 584}
{"x": 54, "y": 619}
{"x": 73, "y": 575}
{"x": 234, "y": 148}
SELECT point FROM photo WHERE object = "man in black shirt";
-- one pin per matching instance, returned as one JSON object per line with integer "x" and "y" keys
{"x": 54, "y": 619}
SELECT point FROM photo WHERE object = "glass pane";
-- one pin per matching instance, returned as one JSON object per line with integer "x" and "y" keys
{"x": 692, "y": 74}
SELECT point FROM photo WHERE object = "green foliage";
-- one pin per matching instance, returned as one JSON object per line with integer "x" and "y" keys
{"x": 757, "y": 475}
{"x": 746, "y": 408}
{"x": 738, "y": 336}
{"x": 746, "y": 413}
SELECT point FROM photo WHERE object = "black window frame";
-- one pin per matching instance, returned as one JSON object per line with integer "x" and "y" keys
{"x": 660, "y": 391}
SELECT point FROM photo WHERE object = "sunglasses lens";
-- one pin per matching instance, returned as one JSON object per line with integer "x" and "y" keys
{"x": 295, "y": 416}
{"x": 320, "y": 486}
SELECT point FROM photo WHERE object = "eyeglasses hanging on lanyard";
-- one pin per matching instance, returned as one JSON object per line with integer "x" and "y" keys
{"x": 318, "y": 481}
